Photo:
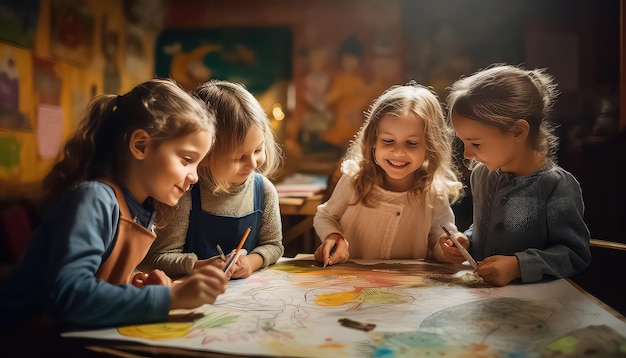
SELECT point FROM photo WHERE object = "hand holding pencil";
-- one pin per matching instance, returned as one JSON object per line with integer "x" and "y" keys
{"x": 460, "y": 249}
{"x": 233, "y": 257}
{"x": 333, "y": 250}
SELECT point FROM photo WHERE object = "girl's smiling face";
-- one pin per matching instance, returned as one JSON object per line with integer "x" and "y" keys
{"x": 400, "y": 149}
{"x": 248, "y": 156}
{"x": 170, "y": 168}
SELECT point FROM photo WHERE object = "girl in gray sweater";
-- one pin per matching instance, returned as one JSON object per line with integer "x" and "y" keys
{"x": 528, "y": 212}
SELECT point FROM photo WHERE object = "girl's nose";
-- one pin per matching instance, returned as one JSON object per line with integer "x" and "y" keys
{"x": 467, "y": 153}
{"x": 398, "y": 151}
{"x": 252, "y": 162}
{"x": 192, "y": 177}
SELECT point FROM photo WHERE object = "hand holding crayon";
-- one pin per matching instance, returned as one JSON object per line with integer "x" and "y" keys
{"x": 237, "y": 252}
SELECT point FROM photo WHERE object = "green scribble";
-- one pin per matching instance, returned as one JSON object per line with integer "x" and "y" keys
{"x": 214, "y": 320}
{"x": 565, "y": 345}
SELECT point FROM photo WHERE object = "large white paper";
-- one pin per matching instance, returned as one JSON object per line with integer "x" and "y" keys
{"x": 418, "y": 308}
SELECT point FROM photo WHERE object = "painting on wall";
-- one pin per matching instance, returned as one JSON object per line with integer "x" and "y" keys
{"x": 18, "y": 21}
{"x": 14, "y": 73}
{"x": 259, "y": 58}
{"x": 341, "y": 69}
{"x": 364, "y": 308}
{"x": 333, "y": 96}
{"x": 72, "y": 30}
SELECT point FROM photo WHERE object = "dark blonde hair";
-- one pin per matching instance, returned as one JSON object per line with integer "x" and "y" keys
{"x": 501, "y": 94}
{"x": 98, "y": 149}
{"x": 437, "y": 169}
{"x": 236, "y": 110}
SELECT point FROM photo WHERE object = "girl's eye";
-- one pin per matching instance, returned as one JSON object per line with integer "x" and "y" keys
{"x": 412, "y": 144}
{"x": 475, "y": 145}
{"x": 387, "y": 141}
{"x": 187, "y": 159}
{"x": 257, "y": 151}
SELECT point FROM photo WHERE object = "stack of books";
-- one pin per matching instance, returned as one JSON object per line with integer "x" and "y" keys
{"x": 301, "y": 185}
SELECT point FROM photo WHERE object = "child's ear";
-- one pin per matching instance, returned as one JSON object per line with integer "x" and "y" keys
{"x": 520, "y": 129}
{"x": 138, "y": 143}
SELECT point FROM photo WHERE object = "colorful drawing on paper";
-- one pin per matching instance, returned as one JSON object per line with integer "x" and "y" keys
{"x": 296, "y": 308}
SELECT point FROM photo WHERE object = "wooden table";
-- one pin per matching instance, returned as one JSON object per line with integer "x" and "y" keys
{"x": 297, "y": 214}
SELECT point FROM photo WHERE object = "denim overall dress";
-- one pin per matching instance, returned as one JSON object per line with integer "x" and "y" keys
{"x": 207, "y": 230}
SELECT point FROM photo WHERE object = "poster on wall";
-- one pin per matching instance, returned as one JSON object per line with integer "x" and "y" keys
{"x": 49, "y": 130}
{"x": 47, "y": 81}
{"x": 136, "y": 54}
{"x": 110, "y": 46}
{"x": 259, "y": 58}
{"x": 72, "y": 27}
{"x": 50, "y": 114}
{"x": 10, "y": 151}
{"x": 14, "y": 75}
{"x": 18, "y": 22}
{"x": 83, "y": 87}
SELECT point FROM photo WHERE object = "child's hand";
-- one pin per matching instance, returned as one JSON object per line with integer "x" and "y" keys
{"x": 155, "y": 277}
{"x": 499, "y": 270}
{"x": 246, "y": 265}
{"x": 202, "y": 286}
{"x": 211, "y": 261}
{"x": 341, "y": 253}
{"x": 452, "y": 253}
{"x": 139, "y": 279}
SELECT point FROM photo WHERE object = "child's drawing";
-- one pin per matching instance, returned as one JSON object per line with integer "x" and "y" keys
{"x": 296, "y": 308}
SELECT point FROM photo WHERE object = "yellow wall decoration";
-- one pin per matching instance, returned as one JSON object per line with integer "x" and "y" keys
{"x": 21, "y": 167}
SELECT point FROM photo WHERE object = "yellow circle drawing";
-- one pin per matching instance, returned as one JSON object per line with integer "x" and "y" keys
{"x": 166, "y": 330}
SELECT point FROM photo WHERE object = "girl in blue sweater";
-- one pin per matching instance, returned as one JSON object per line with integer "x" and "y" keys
{"x": 130, "y": 160}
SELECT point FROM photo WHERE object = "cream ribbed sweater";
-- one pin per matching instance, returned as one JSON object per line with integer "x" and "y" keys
{"x": 398, "y": 227}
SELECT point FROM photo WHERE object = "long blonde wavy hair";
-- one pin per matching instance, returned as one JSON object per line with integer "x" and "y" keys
{"x": 436, "y": 171}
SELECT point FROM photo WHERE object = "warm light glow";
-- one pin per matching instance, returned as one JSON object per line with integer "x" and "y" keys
{"x": 277, "y": 112}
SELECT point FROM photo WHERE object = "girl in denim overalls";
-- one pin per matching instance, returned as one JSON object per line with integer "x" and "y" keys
{"x": 233, "y": 193}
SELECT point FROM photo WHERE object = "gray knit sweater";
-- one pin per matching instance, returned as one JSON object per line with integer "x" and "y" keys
{"x": 538, "y": 218}
{"x": 166, "y": 252}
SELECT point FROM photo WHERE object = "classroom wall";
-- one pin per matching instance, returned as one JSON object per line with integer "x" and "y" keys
{"x": 430, "y": 42}
{"x": 72, "y": 51}
{"x": 322, "y": 31}
{"x": 436, "y": 42}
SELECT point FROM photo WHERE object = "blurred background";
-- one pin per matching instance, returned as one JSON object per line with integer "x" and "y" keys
{"x": 315, "y": 66}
